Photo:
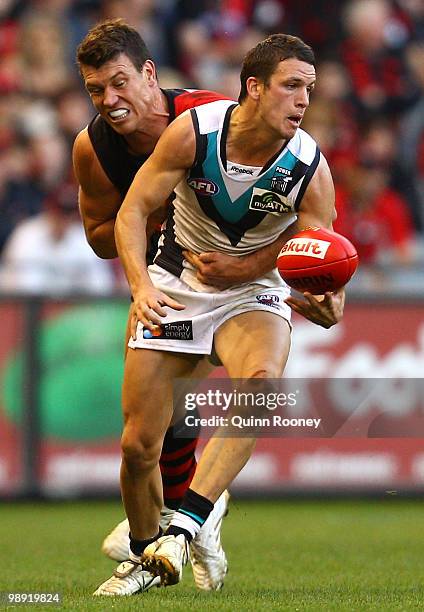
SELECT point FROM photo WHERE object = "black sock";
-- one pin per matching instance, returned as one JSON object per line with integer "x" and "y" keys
{"x": 176, "y": 531}
{"x": 194, "y": 506}
{"x": 197, "y": 505}
{"x": 137, "y": 546}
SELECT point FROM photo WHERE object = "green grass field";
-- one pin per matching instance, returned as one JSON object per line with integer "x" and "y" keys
{"x": 286, "y": 555}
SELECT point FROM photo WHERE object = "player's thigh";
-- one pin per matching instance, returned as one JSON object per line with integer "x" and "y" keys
{"x": 253, "y": 343}
{"x": 147, "y": 391}
{"x": 201, "y": 371}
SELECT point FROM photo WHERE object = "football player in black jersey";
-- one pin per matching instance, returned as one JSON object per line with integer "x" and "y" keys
{"x": 133, "y": 111}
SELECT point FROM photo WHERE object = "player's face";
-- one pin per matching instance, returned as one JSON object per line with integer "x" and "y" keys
{"x": 284, "y": 101}
{"x": 121, "y": 94}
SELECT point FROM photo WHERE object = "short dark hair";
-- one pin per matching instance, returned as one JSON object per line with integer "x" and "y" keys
{"x": 107, "y": 40}
{"x": 262, "y": 60}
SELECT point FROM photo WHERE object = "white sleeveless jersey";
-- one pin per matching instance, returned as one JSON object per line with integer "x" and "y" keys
{"x": 228, "y": 207}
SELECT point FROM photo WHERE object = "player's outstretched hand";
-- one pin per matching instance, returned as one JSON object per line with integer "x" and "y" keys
{"x": 325, "y": 312}
{"x": 149, "y": 307}
{"x": 217, "y": 269}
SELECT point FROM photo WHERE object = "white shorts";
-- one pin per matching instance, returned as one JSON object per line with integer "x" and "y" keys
{"x": 192, "y": 330}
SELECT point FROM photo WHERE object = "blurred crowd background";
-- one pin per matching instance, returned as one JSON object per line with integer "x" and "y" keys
{"x": 367, "y": 114}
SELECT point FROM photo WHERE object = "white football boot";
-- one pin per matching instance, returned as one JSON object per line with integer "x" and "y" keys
{"x": 128, "y": 578}
{"x": 207, "y": 556}
{"x": 166, "y": 558}
{"x": 116, "y": 545}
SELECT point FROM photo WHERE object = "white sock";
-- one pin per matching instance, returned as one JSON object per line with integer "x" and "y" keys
{"x": 183, "y": 521}
{"x": 134, "y": 557}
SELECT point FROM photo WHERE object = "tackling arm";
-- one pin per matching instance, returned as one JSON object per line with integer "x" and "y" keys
{"x": 99, "y": 200}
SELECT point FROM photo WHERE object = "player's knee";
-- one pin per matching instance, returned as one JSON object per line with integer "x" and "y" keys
{"x": 139, "y": 452}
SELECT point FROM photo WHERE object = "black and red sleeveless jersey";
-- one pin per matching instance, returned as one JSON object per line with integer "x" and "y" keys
{"x": 119, "y": 165}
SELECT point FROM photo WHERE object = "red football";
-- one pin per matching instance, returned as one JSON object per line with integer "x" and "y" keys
{"x": 317, "y": 260}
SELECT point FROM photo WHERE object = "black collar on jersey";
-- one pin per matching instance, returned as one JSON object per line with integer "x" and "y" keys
{"x": 223, "y": 143}
{"x": 224, "y": 134}
{"x": 170, "y": 95}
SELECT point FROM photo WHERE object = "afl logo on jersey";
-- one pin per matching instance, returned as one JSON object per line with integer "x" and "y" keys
{"x": 203, "y": 186}
{"x": 269, "y": 299}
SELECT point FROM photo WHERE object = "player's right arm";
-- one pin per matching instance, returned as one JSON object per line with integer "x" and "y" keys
{"x": 154, "y": 182}
{"x": 99, "y": 200}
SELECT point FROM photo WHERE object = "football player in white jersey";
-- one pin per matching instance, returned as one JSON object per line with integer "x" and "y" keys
{"x": 177, "y": 318}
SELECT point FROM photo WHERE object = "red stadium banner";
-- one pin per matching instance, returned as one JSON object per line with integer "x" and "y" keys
{"x": 10, "y": 430}
{"x": 373, "y": 341}
{"x": 80, "y": 379}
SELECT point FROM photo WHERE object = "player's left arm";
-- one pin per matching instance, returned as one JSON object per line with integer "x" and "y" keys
{"x": 317, "y": 208}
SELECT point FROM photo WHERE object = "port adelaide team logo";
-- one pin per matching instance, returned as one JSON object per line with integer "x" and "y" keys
{"x": 269, "y": 202}
{"x": 282, "y": 180}
{"x": 178, "y": 330}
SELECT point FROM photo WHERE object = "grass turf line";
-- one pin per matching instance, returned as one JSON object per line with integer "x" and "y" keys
{"x": 288, "y": 555}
